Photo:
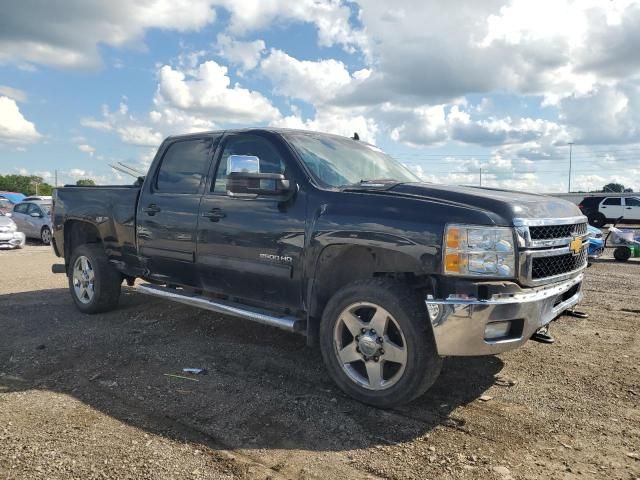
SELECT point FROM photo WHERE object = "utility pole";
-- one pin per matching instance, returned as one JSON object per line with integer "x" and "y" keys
{"x": 56, "y": 181}
{"x": 570, "y": 150}
{"x": 480, "y": 176}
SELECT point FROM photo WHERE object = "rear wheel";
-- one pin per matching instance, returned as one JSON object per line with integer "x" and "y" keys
{"x": 622, "y": 254}
{"x": 597, "y": 219}
{"x": 93, "y": 282}
{"x": 377, "y": 343}
{"x": 45, "y": 235}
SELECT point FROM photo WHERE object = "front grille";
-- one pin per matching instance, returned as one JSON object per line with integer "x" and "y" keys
{"x": 543, "y": 267}
{"x": 547, "y": 232}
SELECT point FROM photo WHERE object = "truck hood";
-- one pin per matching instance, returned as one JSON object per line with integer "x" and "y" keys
{"x": 504, "y": 203}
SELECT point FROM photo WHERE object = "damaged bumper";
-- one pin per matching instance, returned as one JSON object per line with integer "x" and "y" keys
{"x": 12, "y": 240}
{"x": 464, "y": 326}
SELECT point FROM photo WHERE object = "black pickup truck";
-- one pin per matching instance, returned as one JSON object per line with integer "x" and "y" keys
{"x": 329, "y": 237}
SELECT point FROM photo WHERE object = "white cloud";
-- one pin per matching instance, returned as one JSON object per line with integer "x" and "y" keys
{"x": 245, "y": 54}
{"x": 68, "y": 34}
{"x": 14, "y": 128}
{"x": 130, "y": 129}
{"x": 15, "y": 93}
{"x": 312, "y": 81}
{"x": 334, "y": 120}
{"x": 208, "y": 91}
{"x": 140, "y": 135}
{"x": 431, "y": 125}
{"x": 430, "y": 52}
{"x": 604, "y": 116}
{"x": 331, "y": 18}
{"x": 86, "y": 148}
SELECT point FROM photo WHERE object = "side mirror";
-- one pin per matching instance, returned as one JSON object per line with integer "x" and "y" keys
{"x": 35, "y": 214}
{"x": 243, "y": 184}
{"x": 243, "y": 163}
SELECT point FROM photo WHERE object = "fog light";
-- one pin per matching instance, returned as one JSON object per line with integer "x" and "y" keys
{"x": 497, "y": 330}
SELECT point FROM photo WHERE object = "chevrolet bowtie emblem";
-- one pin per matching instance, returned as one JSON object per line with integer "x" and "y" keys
{"x": 576, "y": 245}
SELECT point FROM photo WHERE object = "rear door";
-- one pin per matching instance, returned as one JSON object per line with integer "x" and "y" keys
{"x": 167, "y": 214}
{"x": 632, "y": 208}
{"x": 251, "y": 248}
{"x": 611, "y": 207}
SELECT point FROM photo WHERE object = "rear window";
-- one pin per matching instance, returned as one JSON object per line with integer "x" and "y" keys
{"x": 183, "y": 166}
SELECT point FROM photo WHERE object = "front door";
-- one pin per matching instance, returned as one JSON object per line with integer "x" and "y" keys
{"x": 251, "y": 248}
{"x": 167, "y": 214}
{"x": 632, "y": 209}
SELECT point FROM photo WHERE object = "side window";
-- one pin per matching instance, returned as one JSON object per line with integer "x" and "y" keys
{"x": 33, "y": 208}
{"x": 270, "y": 159}
{"x": 632, "y": 202}
{"x": 612, "y": 201}
{"x": 183, "y": 166}
{"x": 21, "y": 208}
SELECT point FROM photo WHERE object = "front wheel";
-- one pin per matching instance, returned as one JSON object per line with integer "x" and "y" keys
{"x": 93, "y": 282}
{"x": 377, "y": 343}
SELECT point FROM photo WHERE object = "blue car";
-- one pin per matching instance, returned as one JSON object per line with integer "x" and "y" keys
{"x": 596, "y": 242}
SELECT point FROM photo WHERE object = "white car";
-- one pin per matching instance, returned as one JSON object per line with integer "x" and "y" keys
{"x": 10, "y": 237}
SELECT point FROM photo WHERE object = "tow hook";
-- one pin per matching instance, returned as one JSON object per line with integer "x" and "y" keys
{"x": 542, "y": 335}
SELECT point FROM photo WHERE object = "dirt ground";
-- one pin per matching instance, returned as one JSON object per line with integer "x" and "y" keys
{"x": 89, "y": 397}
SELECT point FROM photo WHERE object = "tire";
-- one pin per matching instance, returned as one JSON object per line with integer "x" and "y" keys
{"x": 94, "y": 285}
{"x": 597, "y": 220}
{"x": 407, "y": 337}
{"x": 622, "y": 254}
{"x": 45, "y": 235}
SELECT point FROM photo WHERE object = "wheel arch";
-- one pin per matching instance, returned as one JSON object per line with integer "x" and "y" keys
{"x": 76, "y": 233}
{"x": 339, "y": 265}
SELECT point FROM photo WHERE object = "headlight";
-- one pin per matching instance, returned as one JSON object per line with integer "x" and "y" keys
{"x": 12, "y": 227}
{"x": 479, "y": 251}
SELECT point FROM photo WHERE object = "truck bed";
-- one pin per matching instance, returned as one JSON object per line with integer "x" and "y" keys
{"x": 111, "y": 210}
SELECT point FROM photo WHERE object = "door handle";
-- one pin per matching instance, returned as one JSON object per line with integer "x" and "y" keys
{"x": 151, "y": 209}
{"x": 628, "y": 208}
{"x": 215, "y": 214}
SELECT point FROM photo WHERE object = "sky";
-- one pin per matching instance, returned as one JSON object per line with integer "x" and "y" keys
{"x": 460, "y": 91}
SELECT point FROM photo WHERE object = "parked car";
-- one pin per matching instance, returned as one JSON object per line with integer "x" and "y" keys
{"x": 34, "y": 219}
{"x": 603, "y": 210}
{"x": 10, "y": 237}
{"x": 329, "y": 237}
{"x": 6, "y": 207}
{"x": 41, "y": 198}
{"x": 13, "y": 197}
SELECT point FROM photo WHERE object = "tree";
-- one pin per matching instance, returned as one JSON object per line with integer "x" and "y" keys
{"x": 27, "y": 184}
{"x": 613, "y": 188}
{"x": 85, "y": 181}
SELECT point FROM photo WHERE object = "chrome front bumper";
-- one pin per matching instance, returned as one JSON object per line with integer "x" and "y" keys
{"x": 459, "y": 324}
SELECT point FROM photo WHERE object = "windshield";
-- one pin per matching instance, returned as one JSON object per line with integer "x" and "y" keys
{"x": 338, "y": 162}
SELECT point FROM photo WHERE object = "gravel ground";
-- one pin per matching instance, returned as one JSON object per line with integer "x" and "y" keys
{"x": 89, "y": 396}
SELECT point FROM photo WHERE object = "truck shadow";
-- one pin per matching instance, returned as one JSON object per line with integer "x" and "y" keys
{"x": 264, "y": 388}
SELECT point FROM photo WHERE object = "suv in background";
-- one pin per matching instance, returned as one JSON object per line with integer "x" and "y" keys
{"x": 34, "y": 219}
{"x": 602, "y": 210}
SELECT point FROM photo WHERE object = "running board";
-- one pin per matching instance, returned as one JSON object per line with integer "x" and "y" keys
{"x": 284, "y": 322}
